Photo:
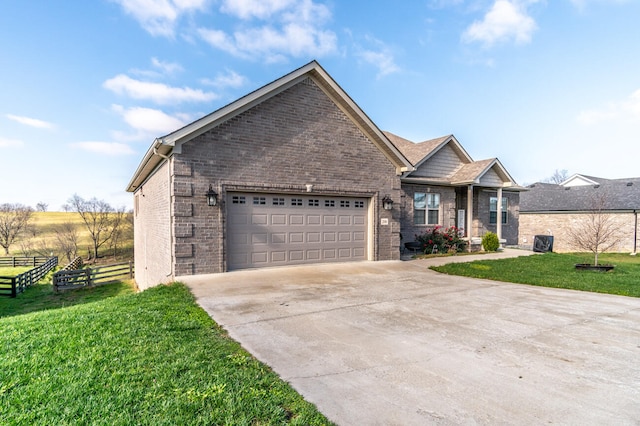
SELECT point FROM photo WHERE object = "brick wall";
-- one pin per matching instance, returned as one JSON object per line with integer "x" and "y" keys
{"x": 297, "y": 137}
{"x": 152, "y": 230}
{"x": 447, "y": 214}
{"x": 559, "y": 224}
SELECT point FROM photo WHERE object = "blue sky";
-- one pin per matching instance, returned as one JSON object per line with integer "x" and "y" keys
{"x": 85, "y": 86}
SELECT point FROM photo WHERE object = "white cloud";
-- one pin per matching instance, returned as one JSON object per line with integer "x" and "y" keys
{"x": 157, "y": 92}
{"x": 295, "y": 28}
{"x": 380, "y": 56}
{"x": 229, "y": 79}
{"x": 247, "y": 9}
{"x": 31, "y": 122}
{"x": 104, "y": 148}
{"x": 148, "y": 123}
{"x": 158, "y": 17}
{"x": 506, "y": 21}
{"x": 166, "y": 67}
{"x": 10, "y": 143}
{"x": 626, "y": 111}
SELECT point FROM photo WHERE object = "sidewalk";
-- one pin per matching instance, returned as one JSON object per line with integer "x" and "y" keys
{"x": 438, "y": 261}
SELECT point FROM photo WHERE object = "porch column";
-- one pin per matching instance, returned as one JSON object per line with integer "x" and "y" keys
{"x": 469, "y": 211}
{"x": 499, "y": 216}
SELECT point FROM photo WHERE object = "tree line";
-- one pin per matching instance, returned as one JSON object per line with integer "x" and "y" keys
{"x": 105, "y": 224}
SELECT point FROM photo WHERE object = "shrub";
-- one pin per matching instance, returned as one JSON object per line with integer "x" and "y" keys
{"x": 437, "y": 240}
{"x": 490, "y": 242}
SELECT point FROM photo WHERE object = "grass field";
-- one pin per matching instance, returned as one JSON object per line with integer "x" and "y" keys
{"x": 557, "y": 270}
{"x": 41, "y": 237}
{"x": 150, "y": 358}
{"x": 11, "y": 272}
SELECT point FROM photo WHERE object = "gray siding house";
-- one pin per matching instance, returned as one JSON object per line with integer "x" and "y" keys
{"x": 294, "y": 173}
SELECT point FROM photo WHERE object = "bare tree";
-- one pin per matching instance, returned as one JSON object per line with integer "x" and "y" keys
{"x": 597, "y": 232}
{"x": 100, "y": 218}
{"x": 67, "y": 237}
{"x": 42, "y": 207}
{"x": 557, "y": 177}
{"x": 14, "y": 218}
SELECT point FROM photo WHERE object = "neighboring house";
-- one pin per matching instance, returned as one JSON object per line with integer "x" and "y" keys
{"x": 555, "y": 209}
{"x": 297, "y": 173}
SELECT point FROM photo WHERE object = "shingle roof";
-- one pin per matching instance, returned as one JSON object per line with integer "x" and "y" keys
{"x": 415, "y": 152}
{"x": 472, "y": 171}
{"x": 620, "y": 194}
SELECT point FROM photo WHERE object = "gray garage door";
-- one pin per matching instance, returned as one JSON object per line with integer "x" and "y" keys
{"x": 275, "y": 229}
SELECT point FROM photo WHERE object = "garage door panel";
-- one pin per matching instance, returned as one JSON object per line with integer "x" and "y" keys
{"x": 259, "y": 258}
{"x": 278, "y": 256}
{"x": 259, "y": 238}
{"x": 314, "y": 219}
{"x": 296, "y": 237}
{"x": 329, "y": 219}
{"x": 344, "y": 236}
{"x": 259, "y": 219}
{"x": 279, "y": 238}
{"x": 296, "y": 219}
{"x": 296, "y": 255}
{"x": 278, "y": 219}
{"x": 273, "y": 229}
{"x": 344, "y": 220}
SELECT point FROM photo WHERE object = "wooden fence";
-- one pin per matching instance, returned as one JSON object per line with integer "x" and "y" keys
{"x": 12, "y": 262}
{"x": 11, "y": 286}
{"x": 68, "y": 278}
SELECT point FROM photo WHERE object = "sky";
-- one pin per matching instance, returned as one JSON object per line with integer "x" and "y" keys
{"x": 86, "y": 86}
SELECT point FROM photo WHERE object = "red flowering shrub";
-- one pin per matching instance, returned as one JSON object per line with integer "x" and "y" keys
{"x": 439, "y": 240}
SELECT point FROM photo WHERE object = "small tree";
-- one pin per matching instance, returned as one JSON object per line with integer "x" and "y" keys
{"x": 14, "y": 219}
{"x": 596, "y": 232}
{"x": 558, "y": 176}
{"x": 100, "y": 218}
{"x": 67, "y": 237}
{"x": 42, "y": 207}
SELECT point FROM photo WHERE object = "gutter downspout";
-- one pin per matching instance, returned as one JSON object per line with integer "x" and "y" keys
{"x": 635, "y": 233}
{"x": 155, "y": 152}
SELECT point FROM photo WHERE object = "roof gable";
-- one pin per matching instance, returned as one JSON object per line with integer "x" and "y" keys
{"x": 172, "y": 142}
{"x": 579, "y": 180}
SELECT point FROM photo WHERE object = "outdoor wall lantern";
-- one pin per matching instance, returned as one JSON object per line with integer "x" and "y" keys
{"x": 387, "y": 202}
{"x": 212, "y": 197}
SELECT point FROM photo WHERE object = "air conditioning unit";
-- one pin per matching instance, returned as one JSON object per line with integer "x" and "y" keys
{"x": 543, "y": 243}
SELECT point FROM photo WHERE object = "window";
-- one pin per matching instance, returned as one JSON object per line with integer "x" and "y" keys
{"x": 426, "y": 208}
{"x": 278, "y": 201}
{"x": 493, "y": 209}
{"x": 358, "y": 204}
{"x": 238, "y": 199}
{"x": 259, "y": 201}
{"x": 296, "y": 201}
{"x": 344, "y": 203}
{"x": 314, "y": 203}
{"x": 329, "y": 203}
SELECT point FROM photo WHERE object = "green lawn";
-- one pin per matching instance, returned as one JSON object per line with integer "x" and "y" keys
{"x": 557, "y": 270}
{"x": 149, "y": 358}
{"x": 12, "y": 272}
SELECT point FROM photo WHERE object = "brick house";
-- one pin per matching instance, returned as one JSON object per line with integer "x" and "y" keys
{"x": 298, "y": 174}
{"x": 555, "y": 209}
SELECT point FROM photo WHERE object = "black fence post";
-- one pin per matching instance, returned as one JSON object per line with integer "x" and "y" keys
{"x": 14, "y": 293}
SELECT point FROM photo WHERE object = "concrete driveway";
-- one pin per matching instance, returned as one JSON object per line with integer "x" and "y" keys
{"x": 394, "y": 343}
